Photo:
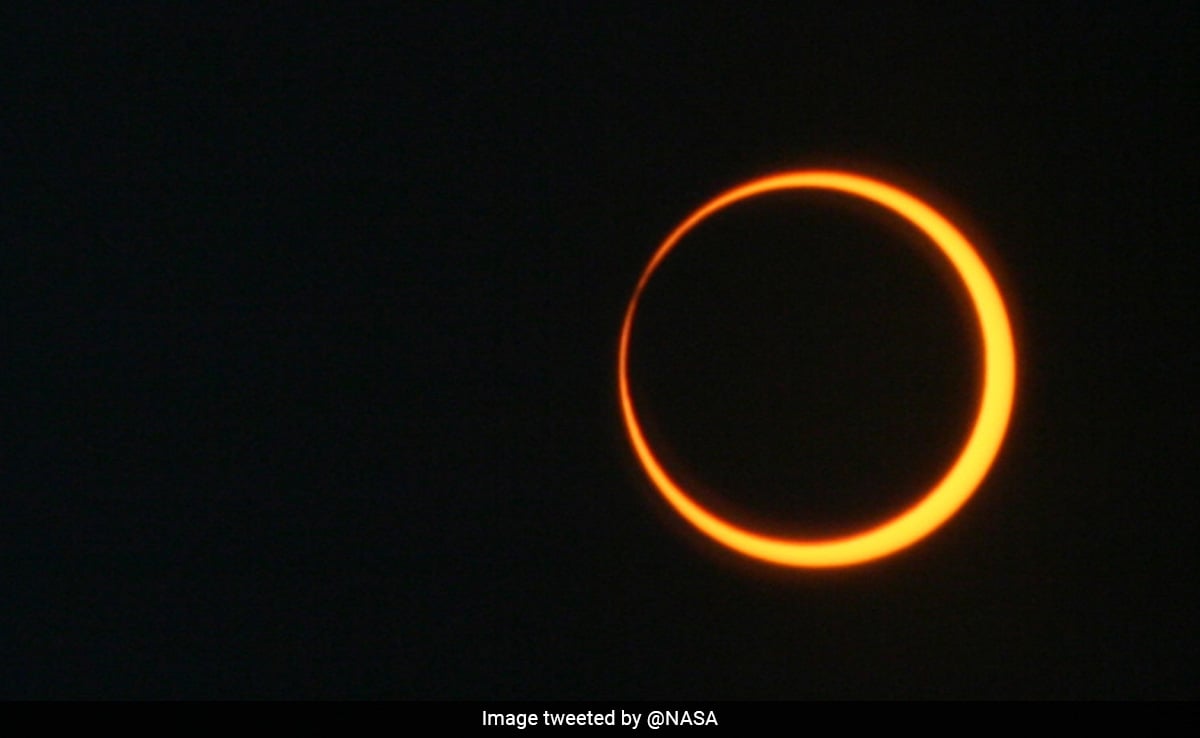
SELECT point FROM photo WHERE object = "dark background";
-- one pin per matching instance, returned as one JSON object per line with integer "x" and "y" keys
{"x": 311, "y": 321}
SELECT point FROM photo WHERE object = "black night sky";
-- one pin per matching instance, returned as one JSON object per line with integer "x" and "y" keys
{"x": 312, "y": 321}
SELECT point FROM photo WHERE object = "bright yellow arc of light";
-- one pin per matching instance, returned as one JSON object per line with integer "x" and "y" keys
{"x": 968, "y": 470}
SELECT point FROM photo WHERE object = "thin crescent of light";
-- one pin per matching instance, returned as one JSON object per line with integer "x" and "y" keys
{"x": 977, "y": 455}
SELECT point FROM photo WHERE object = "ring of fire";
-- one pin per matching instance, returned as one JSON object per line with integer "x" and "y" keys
{"x": 977, "y": 455}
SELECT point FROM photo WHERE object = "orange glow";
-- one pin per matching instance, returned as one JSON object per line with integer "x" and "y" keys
{"x": 973, "y": 462}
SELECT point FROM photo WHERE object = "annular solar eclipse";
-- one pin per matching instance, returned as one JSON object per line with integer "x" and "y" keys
{"x": 951, "y": 492}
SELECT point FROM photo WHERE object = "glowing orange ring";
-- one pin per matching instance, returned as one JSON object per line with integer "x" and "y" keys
{"x": 995, "y": 408}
